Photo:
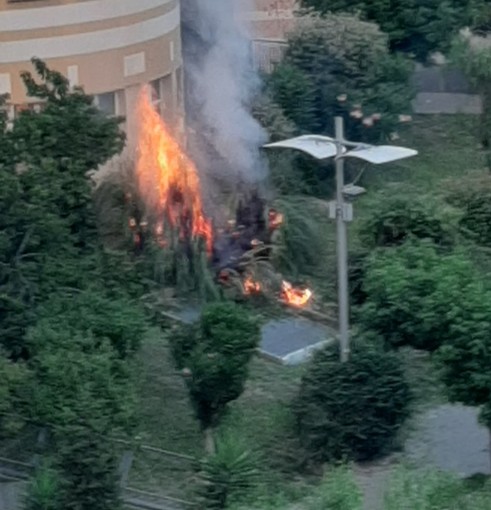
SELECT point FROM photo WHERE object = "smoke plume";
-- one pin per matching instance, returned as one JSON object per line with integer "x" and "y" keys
{"x": 220, "y": 85}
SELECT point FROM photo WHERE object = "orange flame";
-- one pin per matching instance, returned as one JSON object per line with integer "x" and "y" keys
{"x": 275, "y": 219}
{"x": 251, "y": 287}
{"x": 167, "y": 179}
{"x": 293, "y": 296}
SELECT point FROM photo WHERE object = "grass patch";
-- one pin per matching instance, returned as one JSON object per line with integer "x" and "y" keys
{"x": 261, "y": 416}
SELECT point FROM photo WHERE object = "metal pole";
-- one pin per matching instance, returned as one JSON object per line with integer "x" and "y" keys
{"x": 342, "y": 246}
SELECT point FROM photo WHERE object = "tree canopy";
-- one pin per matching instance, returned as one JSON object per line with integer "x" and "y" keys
{"x": 339, "y": 65}
{"x": 416, "y": 27}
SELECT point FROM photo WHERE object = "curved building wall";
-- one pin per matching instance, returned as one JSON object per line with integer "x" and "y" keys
{"x": 110, "y": 47}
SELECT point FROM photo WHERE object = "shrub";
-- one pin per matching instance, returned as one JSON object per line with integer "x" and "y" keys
{"x": 338, "y": 491}
{"x": 473, "y": 197}
{"x": 43, "y": 490}
{"x": 214, "y": 355}
{"x": 351, "y": 410}
{"x": 432, "y": 490}
{"x": 118, "y": 320}
{"x": 415, "y": 296}
{"x": 395, "y": 219}
{"x": 229, "y": 472}
{"x": 14, "y": 377}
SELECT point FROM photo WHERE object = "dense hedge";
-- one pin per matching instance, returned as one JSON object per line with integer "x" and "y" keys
{"x": 351, "y": 410}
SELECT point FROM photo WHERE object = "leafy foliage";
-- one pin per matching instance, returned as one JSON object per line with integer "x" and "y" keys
{"x": 69, "y": 127}
{"x": 351, "y": 410}
{"x": 83, "y": 391}
{"x": 337, "y": 491}
{"x": 117, "y": 320}
{"x": 339, "y": 65}
{"x": 48, "y": 233}
{"x": 472, "y": 53}
{"x": 432, "y": 490}
{"x": 63, "y": 302}
{"x": 43, "y": 490}
{"x": 473, "y": 198}
{"x": 214, "y": 355}
{"x": 395, "y": 219}
{"x": 415, "y": 296}
{"x": 300, "y": 248}
{"x": 14, "y": 379}
{"x": 465, "y": 355}
{"x": 417, "y": 27}
{"x": 228, "y": 473}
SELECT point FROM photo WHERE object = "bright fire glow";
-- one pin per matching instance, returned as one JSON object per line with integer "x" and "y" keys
{"x": 275, "y": 219}
{"x": 251, "y": 287}
{"x": 167, "y": 179}
{"x": 293, "y": 296}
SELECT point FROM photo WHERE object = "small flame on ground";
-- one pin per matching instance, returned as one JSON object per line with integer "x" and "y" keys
{"x": 275, "y": 219}
{"x": 293, "y": 296}
{"x": 168, "y": 180}
{"x": 251, "y": 287}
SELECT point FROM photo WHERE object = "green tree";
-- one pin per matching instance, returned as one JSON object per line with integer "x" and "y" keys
{"x": 351, "y": 410}
{"x": 214, "y": 355}
{"x": 415, "y": 295}
{"x": 339, "y": 65}
{"x": 48, "y": 235}
{"x": 68, "y": 127}
{"x": 83, "y": 392}
{"x": 117, "y": 320}
{"x": 417, "y": 27}
{"x": 472, "y": 53}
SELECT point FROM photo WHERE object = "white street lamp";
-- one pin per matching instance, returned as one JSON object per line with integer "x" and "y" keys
{"x": 323, "y": 147}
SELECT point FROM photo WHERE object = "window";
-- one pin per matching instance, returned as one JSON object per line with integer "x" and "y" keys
{"x": 106, "y": 102}
{"x": 111, "y": 103}
{"x": 156, "y": 92}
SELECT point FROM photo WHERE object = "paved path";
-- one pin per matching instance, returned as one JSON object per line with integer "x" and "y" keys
{"x": 448, "y": 437}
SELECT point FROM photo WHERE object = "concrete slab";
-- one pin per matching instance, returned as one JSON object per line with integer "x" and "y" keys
{"x": 188, "y": 314}
{"x": 292, "y": 340}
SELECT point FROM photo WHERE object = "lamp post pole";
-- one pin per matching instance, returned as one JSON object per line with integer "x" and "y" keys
{"x": 324, "y": 147}
{"x": 342, "y": 246}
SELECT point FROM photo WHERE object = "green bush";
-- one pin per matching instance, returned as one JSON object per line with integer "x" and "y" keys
{"x": 351, "y": 410}
{"x": 415, "y": 296}
{"x": 214, "y": 355}
{"x": 14, "y": 377}
{"x": 473, "y": 198}
{"x": 118, "y": 320}
{"x": 338, "y": 491}
{"x": 433, "y": 490}
{"x": 43, "y": 490}
{"x": 228, "y": 473}
{"x": 395, "y": 219}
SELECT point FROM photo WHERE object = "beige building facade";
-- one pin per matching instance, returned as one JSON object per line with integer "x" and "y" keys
{"x": 110, "y": 47}
{"x": 270, "y": 20}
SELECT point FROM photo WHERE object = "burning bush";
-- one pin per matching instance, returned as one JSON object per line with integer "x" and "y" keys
{"x": 351, "y": 410}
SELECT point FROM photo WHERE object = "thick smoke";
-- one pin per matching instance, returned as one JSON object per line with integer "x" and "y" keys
{"x": 220, "y": 85}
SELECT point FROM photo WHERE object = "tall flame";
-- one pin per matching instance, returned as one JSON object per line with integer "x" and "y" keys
{"x": 167, "y": 178}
